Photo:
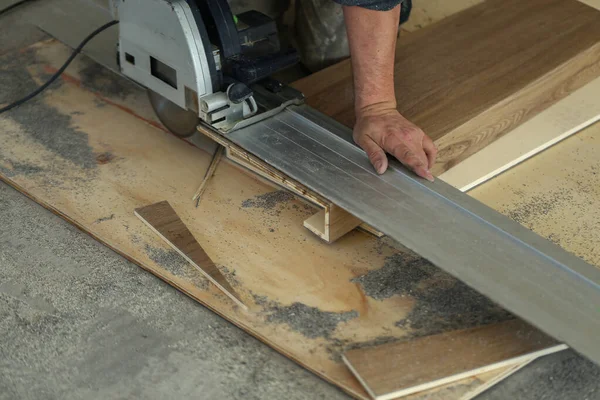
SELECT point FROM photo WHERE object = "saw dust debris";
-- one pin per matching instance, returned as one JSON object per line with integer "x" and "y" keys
{"x": 269, "y": 202}
{"x": 174, "y": 263}
{"x": 441, "y": 302}
{"x": 309, "y": 321}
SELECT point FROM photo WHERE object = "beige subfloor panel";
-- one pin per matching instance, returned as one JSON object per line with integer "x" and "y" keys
{"x": 90, "y": 150}
{"x": 556, "y": 194}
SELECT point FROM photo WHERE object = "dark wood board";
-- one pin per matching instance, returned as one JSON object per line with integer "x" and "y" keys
{"x": 162, "y": 219}
{"x": 393, "y": 370}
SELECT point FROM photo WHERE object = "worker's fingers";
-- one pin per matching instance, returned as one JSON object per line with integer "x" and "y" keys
{"x": 374, "y": 152}
{"x": 430, "y": 150}
{"x": 407, "y": 152}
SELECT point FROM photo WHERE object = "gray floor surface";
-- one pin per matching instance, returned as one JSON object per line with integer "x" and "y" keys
{"x": 77, "y": 321}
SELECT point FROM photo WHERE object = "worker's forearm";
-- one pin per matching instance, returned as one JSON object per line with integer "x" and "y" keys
{"x": 372, "y": 38}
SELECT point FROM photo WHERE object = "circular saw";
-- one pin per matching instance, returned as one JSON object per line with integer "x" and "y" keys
{"x": 201, "y": 63}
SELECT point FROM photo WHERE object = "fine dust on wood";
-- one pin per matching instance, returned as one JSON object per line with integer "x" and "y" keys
{"x": 101, "y": 80}
{"x": 269, "y": 202}
{"x": 19, "y": 168}
{"x": 443, "y": 302}
{"x": 309, "y": 321}
{"x": 556, "y": 194}
{"x": 43, "y": 123}
{"x": 539, "y": 206}
{"x": 177, "y": 265}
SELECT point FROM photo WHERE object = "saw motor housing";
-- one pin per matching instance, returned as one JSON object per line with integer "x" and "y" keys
{"x": 204, "y": 60}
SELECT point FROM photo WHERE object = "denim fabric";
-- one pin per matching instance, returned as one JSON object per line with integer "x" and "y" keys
{"x": 380, "y": 5}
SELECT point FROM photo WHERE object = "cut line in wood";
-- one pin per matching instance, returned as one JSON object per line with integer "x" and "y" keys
{"x": 164, "y": 221}
{"x": 393, "y": 370}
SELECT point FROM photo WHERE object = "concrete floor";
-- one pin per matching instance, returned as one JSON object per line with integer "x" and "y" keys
{"x": 78, "y": 321}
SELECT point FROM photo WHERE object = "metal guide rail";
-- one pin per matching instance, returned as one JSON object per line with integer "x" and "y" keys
{"x": 523, "y": 272}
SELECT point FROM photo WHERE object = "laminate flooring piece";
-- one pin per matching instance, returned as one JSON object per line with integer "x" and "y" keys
{"x": 563, "y": 119}
{"x": 164, "y": 221}
{"x": 475, "y": 76}
{"x": 398, "y": 369}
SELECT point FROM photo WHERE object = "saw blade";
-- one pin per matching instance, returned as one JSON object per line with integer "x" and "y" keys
{"x": 181, "y": 122}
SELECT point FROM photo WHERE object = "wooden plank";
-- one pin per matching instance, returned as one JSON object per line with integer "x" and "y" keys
{"x": 426, "y": 12}
{"x": 393, "y": 370}
{"x": 209, "y": 174}
{"x": 164, "y": 221}
{"x": 332, "y": 223}
{"x": 473, "y": 77}
{"x": 563, "y": 119}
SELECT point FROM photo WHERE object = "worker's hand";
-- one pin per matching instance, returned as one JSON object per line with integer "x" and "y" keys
{"x": 381, "y": 129}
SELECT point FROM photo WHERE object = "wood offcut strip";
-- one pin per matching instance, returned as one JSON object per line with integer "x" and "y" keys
{"x": 209, "y": 173}
{"x": 393, "y": 370}
{"x": 475, "y": 76}
{"x": 165, "y": 222}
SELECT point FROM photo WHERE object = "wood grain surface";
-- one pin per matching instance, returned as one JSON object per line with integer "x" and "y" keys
{"x": 67, "y": 150}
{"x": 164, "y": 221}
{"x": 393, "y": 370}
{"x": 563, "y": 119}
{"x": 472, "y": 77}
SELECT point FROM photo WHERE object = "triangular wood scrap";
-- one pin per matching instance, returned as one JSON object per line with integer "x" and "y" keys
{"x": 165, "y": 222}
{"x": 394, "y": 370}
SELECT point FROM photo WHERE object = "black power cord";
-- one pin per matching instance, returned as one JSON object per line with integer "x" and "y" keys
{"x": 17, "y": 4}
{"x": 61, "y": 70}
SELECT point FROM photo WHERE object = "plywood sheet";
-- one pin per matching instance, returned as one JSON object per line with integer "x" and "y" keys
{"x": 471, "y": 78}
{"x": 89, "y": 150}
{"x": 68, "y": 150}
{"x": 393, "y": 370}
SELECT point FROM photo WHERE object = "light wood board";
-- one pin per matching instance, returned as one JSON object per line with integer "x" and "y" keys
{"x": 68, "y": 152}
{"x": 473, "y": 77}
{"x": 394, "y": 370}
{"x": 164, "y": 221}
{"x": 561, "y": 120}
